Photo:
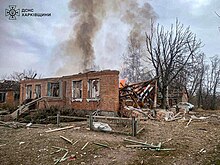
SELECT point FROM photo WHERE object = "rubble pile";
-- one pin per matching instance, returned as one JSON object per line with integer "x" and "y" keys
{"x": 136, "y": 98}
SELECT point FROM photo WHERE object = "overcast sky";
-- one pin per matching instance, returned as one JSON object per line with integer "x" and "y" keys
{"x": 33, "y": 42}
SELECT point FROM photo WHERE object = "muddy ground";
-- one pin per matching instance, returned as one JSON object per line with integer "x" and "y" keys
{"x": 199, "y": 143}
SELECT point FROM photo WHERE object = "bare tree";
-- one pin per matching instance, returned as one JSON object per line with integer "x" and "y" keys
{"x": 170, "y": 51}
{"x": 133, "y": 68}
{"x": 194, "y": 75}
{"x": 26, "y": 74}
{"x": 201, "y": 73}
{"x": 211, "y": 83}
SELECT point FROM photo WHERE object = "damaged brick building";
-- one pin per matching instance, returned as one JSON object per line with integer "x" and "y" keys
{"x": 9, "y": 93}
{"x": 84, "y": 91}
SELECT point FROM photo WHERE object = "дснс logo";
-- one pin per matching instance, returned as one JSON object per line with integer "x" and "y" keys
{"x": 12, "y": 12}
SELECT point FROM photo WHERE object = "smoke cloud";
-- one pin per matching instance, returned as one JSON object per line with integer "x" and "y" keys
{"x": 88, "y": 17}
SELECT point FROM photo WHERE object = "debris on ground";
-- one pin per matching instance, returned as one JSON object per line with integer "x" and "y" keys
{"x": 64, "y": 157}
{"x": 146, "y": 146}
{"x": 29, "y": 124}
{"x": 13, "y": 124}
{"x": 137, "y": 98}
{"x": 102, "y": 145}
{"x": 20, "y": 143}
{"x": 84, "y": 146}
{"x": 66, "y": 139}
{"x": 59, "y": 129}
{"x": 199, "y": 118}
{"x": 102, "y": 126}
{"x": 167, "y": 142}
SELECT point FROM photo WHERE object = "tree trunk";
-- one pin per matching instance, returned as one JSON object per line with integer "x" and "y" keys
{"x": 164, "y": 99}
{"x": 167, "y": 97}
{"x": 213, "y": 102}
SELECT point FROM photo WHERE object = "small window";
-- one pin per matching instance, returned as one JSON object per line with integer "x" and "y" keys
{"x": 16, "y": 96}
{"x": 37, "y": 91}
{"x": 2, "y": 97}
{"x": 54, "y": 89}
{"x": 29, "y": 92}
{"x": 93, "y": 89}
{"x": 77, "y": 90}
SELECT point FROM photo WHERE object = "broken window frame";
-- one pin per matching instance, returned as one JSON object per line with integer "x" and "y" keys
{"x": 29, "y": 92}
{"x": 16, "y": 95}
{"x": 2, "y": 97}
{"x": 54, "y": 89}
{"x": 77, "y": 95}
{"x": 37, "y": 91}
{"x": 93, "y": 89}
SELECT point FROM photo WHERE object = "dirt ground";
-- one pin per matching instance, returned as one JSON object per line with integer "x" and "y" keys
{"x": 199, "y": 143}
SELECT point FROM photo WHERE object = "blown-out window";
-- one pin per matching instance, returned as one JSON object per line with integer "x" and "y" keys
{"x": 77, "y": 90}
{"x": 53, "y": 89}
{"x": 93, "y": 89}
{"x": 16, "y": 96}
{"x": 29, "y": 92}
{"x": 2, "y": 97}
{"x": 37, "y": 91}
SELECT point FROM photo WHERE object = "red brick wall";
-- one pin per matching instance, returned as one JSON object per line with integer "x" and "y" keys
{"x": 109, "y": 94}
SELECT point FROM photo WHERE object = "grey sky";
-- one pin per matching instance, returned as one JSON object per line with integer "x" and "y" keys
{"x": 198, "y": 14}
{"x": 35, "y": 42}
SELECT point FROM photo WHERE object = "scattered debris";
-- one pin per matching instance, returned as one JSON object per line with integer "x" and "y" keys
{"x": 177, "y": 115}
{"x": 76, "y": 128}
{"x": 146, "y": 146}
{"x": 75, "y": 142}
{"x": 59, "y": 129}
{"x": 141, "y": 144}
{"x": 173, "y": 119}
{"x": 199, "y": 118}
{"x": 102, "y": 126}
{"x": 168, "y": 115}
{"x": 100, "y": 144}
{"x": 167, "y": 140}
{"x": 136, "y": 97}
{"x": 131, "y": 108}
{"x": 4, "y": 112}
{"x": 84, "y": 146}
{"x": 72, "y": 157}
{"x": 63, "y": 158}
{"x": 140, "y": 130}
{"x": 64, "y": 138}
{"x": 188, "y": 123}
{"x": 59, "y": 149}
{"x": 20, "y": 143}
{"x": 2, "y": 145}
{"x": 161, "y": 149}
{"x": 29, "y": 124}
{"x": 202, "y": 150}
{"x": 12, "y": 124}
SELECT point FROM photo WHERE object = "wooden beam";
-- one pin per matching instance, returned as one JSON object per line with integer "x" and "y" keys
{"x": 59, "y": 129}
{"x": 100, "y": 144}
{"x": 84, "y": 146}
{"x": 141, "y": 143}
{"x": 113, "y": 118}
{"x": 64, "y": 138}
{"x": 141, "y": 130}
